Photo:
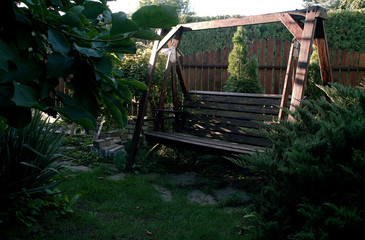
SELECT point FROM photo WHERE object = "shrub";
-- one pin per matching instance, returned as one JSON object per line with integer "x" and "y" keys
{"x": 315, "y": 170}
{"x": 28, "y": 167}
{"x": 243, "y": 72}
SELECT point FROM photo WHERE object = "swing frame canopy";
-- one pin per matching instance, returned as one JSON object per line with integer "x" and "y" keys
{"x": 306, "y": 26}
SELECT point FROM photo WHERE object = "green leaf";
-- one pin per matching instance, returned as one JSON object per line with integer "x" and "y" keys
{"x": 124, "y": 93}
{"x": 45, "y": 87}
{"x": 58, "y": 65}
{"x": 117, "y": 114}
{"x": 133, "y": 83}
{"x": 103, "y": 65}
{"x": 120, "y": 49}
{"x": 156, "y": 17}
{"x": 72, "y": 17}
{"x": 92, "y": 9}
{"x": 6, "y": 54}
{"x": 78, "y": 115}
{"x": 25, "y": 96}
{"x": 27, "y": 70}
{"x": 147, "y": 34}
{"x": 121, "y": 24}
{"x": 88, "y": 51}
{"x": 58, "y": 42}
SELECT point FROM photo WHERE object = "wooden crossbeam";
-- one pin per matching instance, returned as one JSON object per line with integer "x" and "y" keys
{"x": 291, "y": 25}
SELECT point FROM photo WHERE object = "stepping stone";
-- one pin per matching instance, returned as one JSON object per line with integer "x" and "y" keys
{"x": 229, "y": 193}
{"x": 198, "y": 197}
{"x": 164, "y": 193}
{"x": 116, "y": 177}
{"x": 185, "y": 179}
{"x": 79, "y": 168}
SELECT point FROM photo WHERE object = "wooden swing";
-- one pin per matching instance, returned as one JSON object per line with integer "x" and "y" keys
{"x": 214, "y": 121}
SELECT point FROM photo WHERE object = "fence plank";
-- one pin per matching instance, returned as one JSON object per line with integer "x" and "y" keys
{"x": 362, "y": 65}
{"x": 286, "y": 50}
{"x": 262, "y": 62}
{"x": 218, "y": 70}
{"x": 255, "y": 49}
{"x": 192, "y": 80}
{"x": 269, "y": 62}
{"x": 198, "y": 75}
{"x": 205, "y": 71}
{"x": 344, "y": 63}
{"x": 211, "y": 76}
{"x": 225, "y": 62}
{"x": 278, "y": 49}
{"x": 354, "y": 62}
{"x": 336, "y": 63}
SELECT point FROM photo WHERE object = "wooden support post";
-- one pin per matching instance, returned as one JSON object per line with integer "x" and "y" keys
{"x": 289, "y": 76}
{"x": 304, "y": 57}
{"x": 143, "y": 105}
{"x": 320, "y": 40}
{"x": 291, "y": 25}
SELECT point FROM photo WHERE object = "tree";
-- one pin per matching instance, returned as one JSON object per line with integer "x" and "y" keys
{"x": 352, "y": 4}
{"x": 182, "y": 6}
{"x": 243, "y": 72}
{"x": 328, "y": 4}
{"x": 83, "y": 41}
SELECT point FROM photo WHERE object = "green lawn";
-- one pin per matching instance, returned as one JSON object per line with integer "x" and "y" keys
{"x": 132, "y": 208}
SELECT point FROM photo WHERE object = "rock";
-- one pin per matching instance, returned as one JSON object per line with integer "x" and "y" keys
{"x": 198, "y": 197}
{"x": 164, "y": 193}
{"x": 116, "y": 177}
{"x": 227, "y": 193}
{"x": 79, "y": 168}
{"x": 185, "y": 179}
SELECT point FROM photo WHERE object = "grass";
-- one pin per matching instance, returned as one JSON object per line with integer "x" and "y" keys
{"x": 131, "y": 208}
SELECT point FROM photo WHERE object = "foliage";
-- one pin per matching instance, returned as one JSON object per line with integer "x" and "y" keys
{"x": 339, "y": 34}
{"x": 315, "y": 172}
{"x": 243, "y": 72}
{"x": 328, "y": 4}
{"x": 28, "y": 167}
{"x": 81, "y": 41}
{"x": 136, "y": 66}
{"x": 352, "y": 4}
{"x": 182, "y": 6}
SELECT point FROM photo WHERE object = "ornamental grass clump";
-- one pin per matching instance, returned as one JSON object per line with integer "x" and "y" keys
{"x": 28, "y": 168}
{"x": 315, "y": 171}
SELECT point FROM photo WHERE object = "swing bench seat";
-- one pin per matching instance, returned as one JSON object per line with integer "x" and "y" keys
{"x": 219, "y": 122}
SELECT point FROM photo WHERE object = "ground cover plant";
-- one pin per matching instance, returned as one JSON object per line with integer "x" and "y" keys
{"x": 315, "y": 172}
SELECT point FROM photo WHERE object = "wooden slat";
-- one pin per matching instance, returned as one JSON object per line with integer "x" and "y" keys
{"x": 218, "y": 71}
{"x": 269, "y": 61}
{"x": 286, "y": 49}
{"x": 255, "y": 49}
{"x": 246, "y": 139}
{"x": 211, "y": 73}
{"x": 205, "y": 71}
{"x": 198, "y": 73}
{"x": 336, "y": 63}
{"x": 362, "y": 64}
{"x": 225, "y": 62}
{"x": 192, "y": 74}
{"x": 262, "y": 61}
{"x": 211, "y": 144}
{"x": 278, "y": 49}
{"x": 354, "y": 62}
{"x": 344, "y": 63}
{"x": 187, "y": 72}
{"x": 229, "y": 114}
{"x": 227, "y": 121}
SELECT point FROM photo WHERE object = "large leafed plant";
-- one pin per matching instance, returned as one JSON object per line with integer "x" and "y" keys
{"x": 42, "y": 41}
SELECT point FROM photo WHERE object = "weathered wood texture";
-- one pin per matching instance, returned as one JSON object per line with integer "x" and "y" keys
{"x": 212, "y": 117}
{"x": 272, "y": 69}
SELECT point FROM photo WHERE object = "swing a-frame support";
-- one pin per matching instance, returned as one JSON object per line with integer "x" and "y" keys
{"x": 306, "y": 26}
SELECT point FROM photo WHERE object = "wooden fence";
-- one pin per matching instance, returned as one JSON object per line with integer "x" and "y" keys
{"x": 208, "y": 71}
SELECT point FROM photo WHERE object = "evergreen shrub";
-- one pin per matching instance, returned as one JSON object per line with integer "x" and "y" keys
{"x": 243, "y": 72}
{"x": 315, "y": 171}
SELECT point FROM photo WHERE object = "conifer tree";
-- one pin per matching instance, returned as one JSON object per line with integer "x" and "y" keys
{"x": 243, "y": 72}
